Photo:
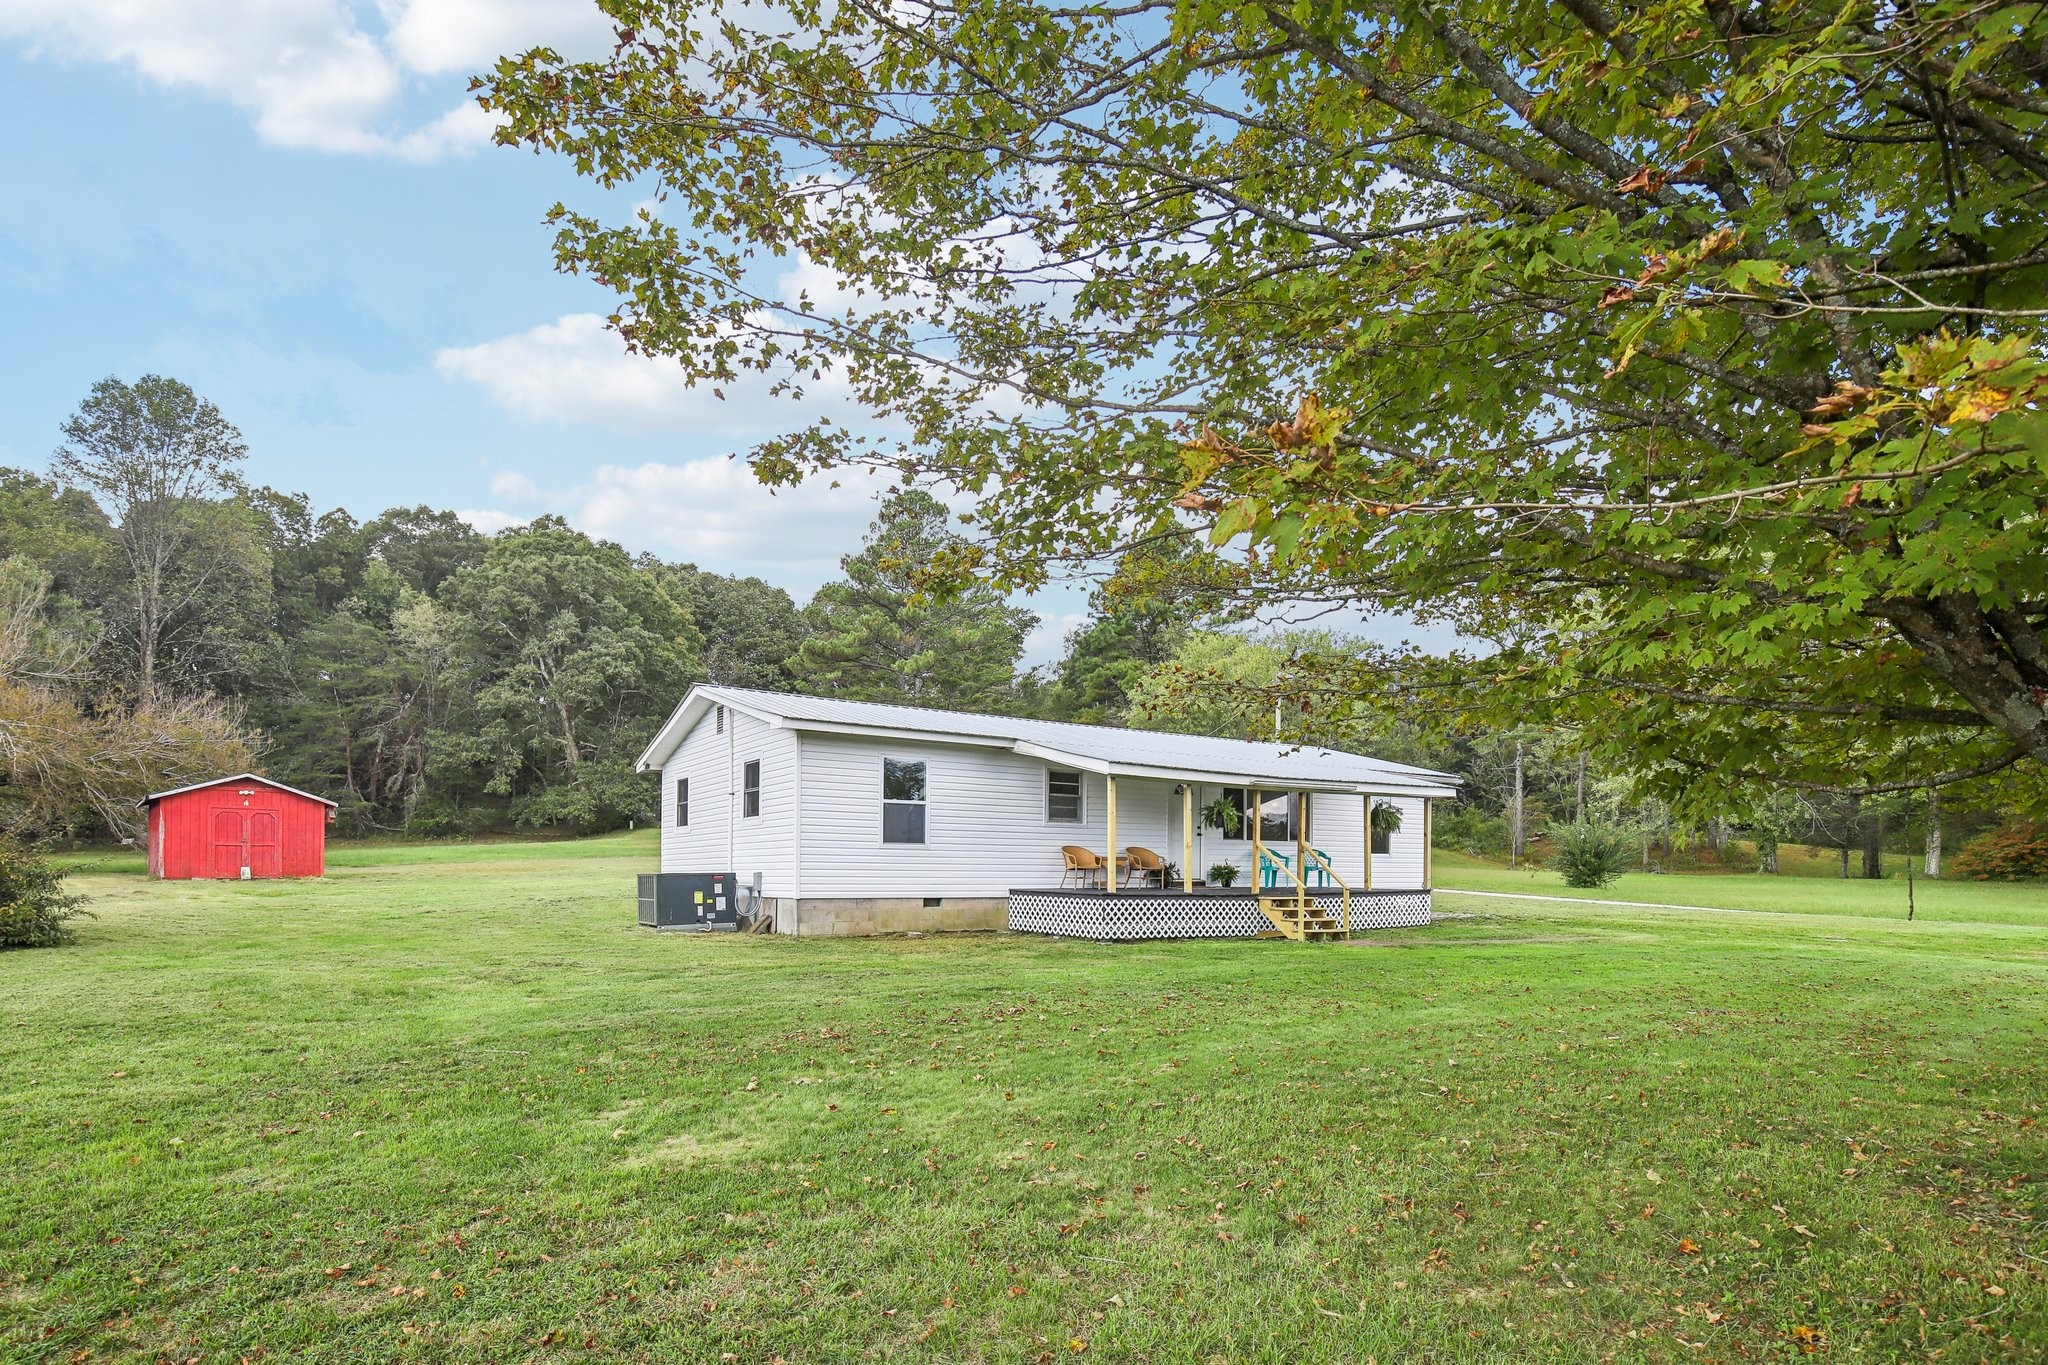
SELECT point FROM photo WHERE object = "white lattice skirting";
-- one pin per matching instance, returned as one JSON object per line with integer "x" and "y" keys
{"x": 1095, "y": 914}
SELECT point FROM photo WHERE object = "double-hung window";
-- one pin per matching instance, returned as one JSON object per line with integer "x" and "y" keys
{"x": 1062, "y": 797}
{"x": 903, "y": 801}
{"x": 1382, "y": 842}
{"x": 750, "y": 788}
{"x": 682, "y": 802}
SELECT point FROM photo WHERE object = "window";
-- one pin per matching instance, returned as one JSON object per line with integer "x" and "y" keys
{"x": 682, "y": 801}
{"x": 1062, "y": 797}
{"x": 1382, "y": 842}
{"x": 1279, "y": 816}
{"x": 750, "y": 787}
{"x": 903, "y": 794}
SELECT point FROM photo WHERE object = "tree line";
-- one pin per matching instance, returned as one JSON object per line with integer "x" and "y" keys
{"x": 163, "y": 620}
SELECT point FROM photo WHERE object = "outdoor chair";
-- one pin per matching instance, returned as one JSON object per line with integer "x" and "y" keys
{"x": 1146, "y": 866}
{"x": 1272, "y": 865}
{"x": 1084, "y": 866}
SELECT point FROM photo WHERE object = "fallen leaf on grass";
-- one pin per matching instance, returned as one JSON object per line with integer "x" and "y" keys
{"x": 1688, "y": 1247}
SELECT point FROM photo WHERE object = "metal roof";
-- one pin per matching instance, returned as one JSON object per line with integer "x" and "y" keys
{"x": 154, "y": 797}
{"x": 1099, "y": 748}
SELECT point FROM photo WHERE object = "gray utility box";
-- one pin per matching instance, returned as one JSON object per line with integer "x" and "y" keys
{"x": 688, "y": 900}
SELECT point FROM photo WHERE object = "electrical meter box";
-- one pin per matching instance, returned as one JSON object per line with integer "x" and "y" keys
{"x": 688, "y": 900}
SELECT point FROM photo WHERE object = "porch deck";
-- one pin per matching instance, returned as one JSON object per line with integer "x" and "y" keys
{"x": 1207, "y": 912}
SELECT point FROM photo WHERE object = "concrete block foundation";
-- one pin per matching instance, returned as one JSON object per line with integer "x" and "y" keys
{"x": 856, "y": 916}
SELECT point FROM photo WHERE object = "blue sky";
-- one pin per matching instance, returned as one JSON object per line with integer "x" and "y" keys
{"x": 292, "y": 206}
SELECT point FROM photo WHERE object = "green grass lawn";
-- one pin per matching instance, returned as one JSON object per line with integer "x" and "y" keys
{"x": 451, "y": 1104}
{"x": 1949, "y": 901}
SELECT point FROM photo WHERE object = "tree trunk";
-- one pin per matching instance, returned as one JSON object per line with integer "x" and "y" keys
{"x": 1873, "y": 845}
{"x": 1849, "y": 831}
{"x": 572, "y": 753}
{"x": 1933, "y": 831}
{"x": 1515, "y": 813}
{"x": 1579, "y": 805}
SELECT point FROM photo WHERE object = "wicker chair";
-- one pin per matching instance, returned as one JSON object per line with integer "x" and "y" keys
{"x": 1146, "y": 866}
{"x": 1084, "y": 866}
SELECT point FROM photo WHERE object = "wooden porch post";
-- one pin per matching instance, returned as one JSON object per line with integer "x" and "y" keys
{"x": 1428, "y": 844}
{"x": 1301, "y": 838}
{"x": 1258, "y": 844}
{"x": 1368, "y": 841}
{"x": 1187, "y": 838}
{"x": 1109, "y": 875}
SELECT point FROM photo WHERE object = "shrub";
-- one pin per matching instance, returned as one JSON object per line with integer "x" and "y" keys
{"x": 34, "y": 908}
{"x": 2010, "y": 853}
{"x": 1593, "y": 854}
{"x": 1471, "y": 830}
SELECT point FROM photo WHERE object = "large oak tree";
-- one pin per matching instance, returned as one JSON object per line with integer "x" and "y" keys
{"x": 1686, "y": 353}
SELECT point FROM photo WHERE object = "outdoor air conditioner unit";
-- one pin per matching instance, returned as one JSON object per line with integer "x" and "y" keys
{"x": 688, "y": 900}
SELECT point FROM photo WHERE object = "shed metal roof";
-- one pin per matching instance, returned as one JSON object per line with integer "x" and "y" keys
{"x": 154, "y": 797}
{"x": 1098, "y": 748}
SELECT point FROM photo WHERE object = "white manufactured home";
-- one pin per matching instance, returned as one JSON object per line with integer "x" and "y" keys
{"x": 859, "y": 818}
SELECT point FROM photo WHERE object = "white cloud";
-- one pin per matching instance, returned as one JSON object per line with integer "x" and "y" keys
{"x": 711, "y": 511}
{"x": 307, "y": 73}
{"x": 575, "y": 369}
{"x": 442, "y": 36}
{"x": 515, "y": 487}
{"x": 489, "y": 521}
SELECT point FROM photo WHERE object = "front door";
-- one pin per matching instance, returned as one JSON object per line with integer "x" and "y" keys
{"x": 230, "y": 844}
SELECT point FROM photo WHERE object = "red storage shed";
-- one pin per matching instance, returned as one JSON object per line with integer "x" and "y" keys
{"x": 238, "y": 827}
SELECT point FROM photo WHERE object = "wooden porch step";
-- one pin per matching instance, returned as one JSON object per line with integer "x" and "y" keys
{"x": 1301, "y": 919}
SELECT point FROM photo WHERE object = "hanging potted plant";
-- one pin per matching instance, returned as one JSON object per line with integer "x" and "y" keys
{"x": 1220, "y": 814}
{"x": 1386, "y": 819}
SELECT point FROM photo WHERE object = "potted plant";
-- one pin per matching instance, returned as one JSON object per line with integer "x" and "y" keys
{"x": 1223, "y": 874}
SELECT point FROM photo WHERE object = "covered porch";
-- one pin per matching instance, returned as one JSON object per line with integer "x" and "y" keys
{"x": 1204, "y": 854}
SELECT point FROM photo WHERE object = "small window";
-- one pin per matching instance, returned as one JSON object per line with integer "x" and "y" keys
{"x": 903, "y": 802}
{"x": 1063, "y": 797}
{"x": 682, "y": 801}
{"x": 750, "y": 787}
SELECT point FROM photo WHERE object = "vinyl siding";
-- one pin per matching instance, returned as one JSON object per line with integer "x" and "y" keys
{"x": 985, "y": 825}
{"x": 986, "y": 831}
{"x": 765, "y": 843}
